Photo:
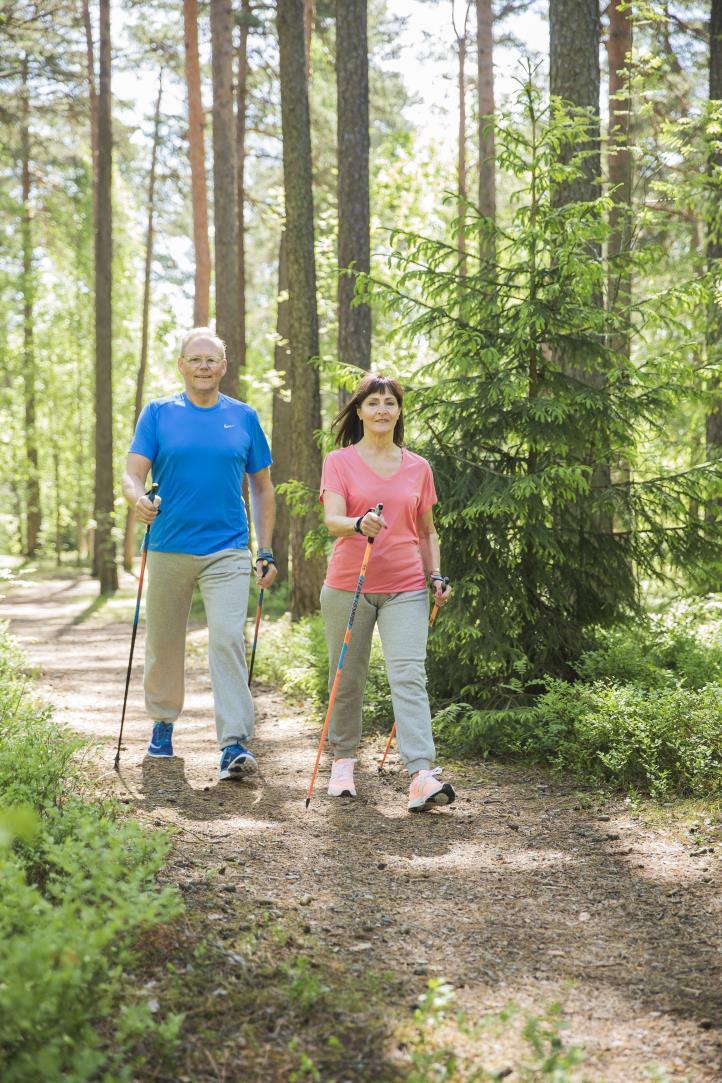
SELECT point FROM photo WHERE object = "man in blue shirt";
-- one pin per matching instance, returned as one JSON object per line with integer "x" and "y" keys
{"x": 199, "y": 444}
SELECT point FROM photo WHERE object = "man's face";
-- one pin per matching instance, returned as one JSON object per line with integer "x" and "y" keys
{"x": 203, "y": 365}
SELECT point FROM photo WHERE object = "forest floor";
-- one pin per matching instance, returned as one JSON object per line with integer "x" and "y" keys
{"x": 311, "y": 939}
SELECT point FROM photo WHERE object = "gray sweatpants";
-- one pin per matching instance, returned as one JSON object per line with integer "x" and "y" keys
{"x": 403, "y": 625}
{"x": 223, "y": 579}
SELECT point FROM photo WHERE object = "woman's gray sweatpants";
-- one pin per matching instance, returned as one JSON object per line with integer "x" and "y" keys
{"x": 223, "y": 579}
{"x": 403, "y": 626}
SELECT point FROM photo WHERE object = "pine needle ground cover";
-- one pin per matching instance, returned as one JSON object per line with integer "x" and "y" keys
{"x": 77, "y": 888}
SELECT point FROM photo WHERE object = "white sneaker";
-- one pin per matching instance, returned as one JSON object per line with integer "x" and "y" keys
{"x": 341, "y": 784}
{"x": 427, "y": 791}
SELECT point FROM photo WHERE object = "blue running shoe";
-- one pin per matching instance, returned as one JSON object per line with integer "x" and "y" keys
{"x": 161, "y": 742}
{"x": 237, "y": 762}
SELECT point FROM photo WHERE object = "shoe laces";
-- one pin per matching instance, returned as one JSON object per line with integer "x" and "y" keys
{"x": 422, "y": 776}
{"x": 342, "y": 768}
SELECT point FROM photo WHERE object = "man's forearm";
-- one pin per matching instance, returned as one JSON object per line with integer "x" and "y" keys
{"x": 264, "y": 516}
{"x": 133, "y": 488}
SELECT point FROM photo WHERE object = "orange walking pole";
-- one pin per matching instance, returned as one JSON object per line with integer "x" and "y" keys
{"x": 432, "y": 618}
{"x": 339, "y": 668}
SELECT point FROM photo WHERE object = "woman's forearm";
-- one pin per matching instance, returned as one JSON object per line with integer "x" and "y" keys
{"x": 341, "y": 526}
{"x": 430, "y": 552}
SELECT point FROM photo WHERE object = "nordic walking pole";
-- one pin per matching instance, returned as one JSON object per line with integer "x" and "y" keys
{"x": 339, "y": 668}
{"x": 259, "y": 608}
{"x": 432, "y": 618}
{"x": 143, "y": 551}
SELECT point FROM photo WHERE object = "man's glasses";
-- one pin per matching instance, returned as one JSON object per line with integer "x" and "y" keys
{"x": 212, "y": 362}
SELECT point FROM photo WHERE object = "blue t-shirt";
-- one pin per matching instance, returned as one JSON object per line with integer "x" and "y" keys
{"x": 199, "y": 457}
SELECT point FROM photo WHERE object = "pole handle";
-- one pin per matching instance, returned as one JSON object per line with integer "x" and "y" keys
{"x": 377, "y": 511}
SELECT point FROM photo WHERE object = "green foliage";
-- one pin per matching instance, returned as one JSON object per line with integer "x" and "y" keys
{"x": 543, "y": 1057}
{"x": 77, "y": 885}
{"x": 294, "y": 658}
{"x": 535, "y": 425}
{"x": 643, "y": 714}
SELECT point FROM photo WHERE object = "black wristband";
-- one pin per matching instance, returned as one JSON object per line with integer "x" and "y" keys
{"x": 357, "y": 524}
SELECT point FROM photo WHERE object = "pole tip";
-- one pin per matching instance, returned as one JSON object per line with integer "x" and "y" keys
{"x": 308, "y": 801}
{"x": 116, "y": 765}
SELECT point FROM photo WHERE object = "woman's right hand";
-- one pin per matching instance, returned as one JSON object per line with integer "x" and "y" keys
{"x": 372, "y": 524}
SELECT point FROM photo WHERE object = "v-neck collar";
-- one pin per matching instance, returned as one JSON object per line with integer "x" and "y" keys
{"x": 375, "y": 472}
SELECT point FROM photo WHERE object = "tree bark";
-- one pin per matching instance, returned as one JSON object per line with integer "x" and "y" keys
{"x": 575, "y": 77}
{"x": 461, "y": 44}
{"x": 105, "y": 557}
{"x": 92, "y": 100}
{"x": 619, "y": 166}
{"x": 714, "y": 230}
{"x": 225, "y": 221}
{"x": 241, "y": 110}
{"x": 128, "y": 543}
{"x": 33, "y": 518}
{"x": 354, "y": 242}
{"x": 485, "y": 81}
{"x": 281, "y": 418}
{"x": 197, "y": 157}
{"x": 307, "y": 574}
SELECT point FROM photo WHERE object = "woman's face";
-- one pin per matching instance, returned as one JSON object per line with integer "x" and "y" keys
{"x": 379, "y": 412}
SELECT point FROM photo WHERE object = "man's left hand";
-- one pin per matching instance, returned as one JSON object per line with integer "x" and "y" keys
{"x": 264, "y": 579}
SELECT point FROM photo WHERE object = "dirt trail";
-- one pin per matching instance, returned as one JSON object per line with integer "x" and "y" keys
{"x": 520, "y": 892}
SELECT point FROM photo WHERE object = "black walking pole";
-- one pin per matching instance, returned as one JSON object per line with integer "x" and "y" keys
{"x": 259, "y": 610}
{"x": 143, "y": 553}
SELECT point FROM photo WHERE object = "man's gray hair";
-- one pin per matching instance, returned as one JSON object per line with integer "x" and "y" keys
{"x": 201, "y": 332}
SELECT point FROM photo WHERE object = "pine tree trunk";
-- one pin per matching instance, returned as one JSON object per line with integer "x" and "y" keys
{"x": 461, "y": 151}
{"x": 354, "y": 244}
{"x": 281, "y": 420}
{"x": 485, "y": 82}
{"x": 574, "y": 76}
{"x": 574, "y": 33}
{"x": 307, "y": 574}
{"x": 32, "y": 478}
{"x": 241, "y": 109}
{"x": 105, "y": 557}
{"x": 92, "y": 101}
{"x": 197, "y": 157}
{"x": 714, "y": 232}
{"x": 129, "y": 540}
{"x": 225, "y": 221}
{"x": 619, "y": 170}
{"x": 619, "y": 163}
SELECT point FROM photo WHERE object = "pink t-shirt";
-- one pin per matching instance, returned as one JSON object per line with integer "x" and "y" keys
{"x": 395, "y": 563}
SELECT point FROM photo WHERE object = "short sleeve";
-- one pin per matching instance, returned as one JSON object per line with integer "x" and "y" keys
{"x": 427, "y": 496}
{"x": 259, "y": 453}
{"x": 145, "y": 438}
{"x": 332, "y": 477}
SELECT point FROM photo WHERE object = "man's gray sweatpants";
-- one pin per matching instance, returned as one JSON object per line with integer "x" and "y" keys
{"x": 223, "y": 579}
{"x": 403, "y": 626}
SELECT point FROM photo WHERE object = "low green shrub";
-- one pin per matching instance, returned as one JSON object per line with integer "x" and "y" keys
{"x": 294, "y": 658}
{"x": 683, "y": 646}
{"x": 661, "y": 741}
{"x": 77, "y": 885}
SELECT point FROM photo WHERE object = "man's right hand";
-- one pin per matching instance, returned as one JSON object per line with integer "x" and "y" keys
{"x": 146, "y": 510}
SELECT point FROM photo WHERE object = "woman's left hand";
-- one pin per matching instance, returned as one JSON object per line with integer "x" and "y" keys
{"x": 442, "y": 591}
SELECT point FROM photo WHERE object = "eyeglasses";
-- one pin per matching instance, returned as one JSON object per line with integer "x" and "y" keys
{"x": 195, "y": 362}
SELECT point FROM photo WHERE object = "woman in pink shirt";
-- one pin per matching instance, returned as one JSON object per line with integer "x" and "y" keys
{"x": 373, "y": 467}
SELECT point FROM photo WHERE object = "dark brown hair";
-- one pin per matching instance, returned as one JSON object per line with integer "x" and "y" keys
{"x": 348, "y": 424}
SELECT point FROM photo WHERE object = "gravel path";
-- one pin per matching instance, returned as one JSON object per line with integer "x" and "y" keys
{"x": 522, "y": 891}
